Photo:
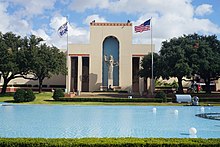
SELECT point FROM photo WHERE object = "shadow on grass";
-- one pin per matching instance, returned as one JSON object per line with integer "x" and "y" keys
{"x": 49, "y": 100}
{"x": 10, "y": 101}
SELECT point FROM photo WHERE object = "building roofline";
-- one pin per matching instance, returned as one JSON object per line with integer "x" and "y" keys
{"x": 110, "y": 24}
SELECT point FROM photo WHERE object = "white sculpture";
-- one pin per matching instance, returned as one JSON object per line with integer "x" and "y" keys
{"x": 111, "y": 63}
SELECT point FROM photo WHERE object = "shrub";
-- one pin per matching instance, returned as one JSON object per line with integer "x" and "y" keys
{"x": 160, "y": 94}
{"x": 29, "y": 96}
{"x": 57, "y": 94}
{"x": 23, "y": 96}
{"x": 19, "y": 95}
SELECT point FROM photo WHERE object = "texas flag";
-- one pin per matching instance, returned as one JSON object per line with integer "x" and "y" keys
{"x": 63, "y": 29}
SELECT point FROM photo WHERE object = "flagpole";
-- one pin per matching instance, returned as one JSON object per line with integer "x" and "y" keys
{"x": 152, "y": 61}
{"x": 68, "y": 58}
{"x": 147, "y": 25}
{"x": 67, "y": 36}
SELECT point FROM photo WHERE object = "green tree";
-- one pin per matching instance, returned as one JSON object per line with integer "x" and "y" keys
{"x": 186, "y": 56}
{"x": 208, "y": 61}
{"x": 146, "y": 65}
{"x": 42, "y": 60}
{"x": 27, "y": 58}
{"x": 11, "y": 66}
{"x": 47, "y": 61}
{"x": 174, "y": 61}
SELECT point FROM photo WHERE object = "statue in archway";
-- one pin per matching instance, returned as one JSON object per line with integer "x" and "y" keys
{"x": 111, "y": 63}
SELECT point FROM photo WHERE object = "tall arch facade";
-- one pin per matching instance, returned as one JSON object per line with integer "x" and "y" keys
{"x": 110, "y": 47}
{"x": 87, "y": 63}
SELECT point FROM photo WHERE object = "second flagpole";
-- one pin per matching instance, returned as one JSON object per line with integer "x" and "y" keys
{"x": 67, "y": 35}
{"x": 68, "y": 59}
{"x": 152, "y": 61}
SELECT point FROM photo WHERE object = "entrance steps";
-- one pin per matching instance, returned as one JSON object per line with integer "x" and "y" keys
{"x": 106, "y": 95}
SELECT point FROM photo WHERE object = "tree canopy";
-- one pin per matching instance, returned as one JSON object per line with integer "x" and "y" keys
{"x": 10, "y": 64}
{"x": 208, "y": 61}
{"x": 22, "y": 57}
{"x": 146, "y": 63}
{"x": 186, "y": 56}
{"x": 174, "y": 60}
{"x": 47, "y": 61}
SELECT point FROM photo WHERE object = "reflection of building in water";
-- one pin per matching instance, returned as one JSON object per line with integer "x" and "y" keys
{"x": 109, "y": 43}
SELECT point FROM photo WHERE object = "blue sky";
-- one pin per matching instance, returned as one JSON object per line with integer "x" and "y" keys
{"x": 170, "y": 18}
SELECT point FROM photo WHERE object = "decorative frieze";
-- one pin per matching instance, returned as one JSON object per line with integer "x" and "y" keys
{"x": 110, "y": 24}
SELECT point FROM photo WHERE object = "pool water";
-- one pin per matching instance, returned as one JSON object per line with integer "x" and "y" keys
{"x": 58, "y": 121}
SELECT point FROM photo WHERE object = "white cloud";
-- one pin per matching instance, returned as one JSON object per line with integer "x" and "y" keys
{"x": 19, "y": 26}
{"x": 203, "y": 9}
{"x": 173, "y": 25}
{"x": 4, "y": 16}
{"x": 57, "y": 21}
{"x": 171, "y": 18}
{"x": 82, "y": 5}
{"x": 65, "y": 2}
{"x": 12, "y": 23}
{"x": 40, "y": 33}
{"x": 95, "y": 17}
{"x": 32, "y": 7}
{"x": 182, "y": 7}
{"x": 75, "y": 34}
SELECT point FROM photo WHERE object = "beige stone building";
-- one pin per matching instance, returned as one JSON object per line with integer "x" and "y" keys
{"x": 89, "y": 65}
{"x": 109, "y": 60}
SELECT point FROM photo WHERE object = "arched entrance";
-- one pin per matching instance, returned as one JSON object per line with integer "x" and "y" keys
{"x": 110, "y": 48}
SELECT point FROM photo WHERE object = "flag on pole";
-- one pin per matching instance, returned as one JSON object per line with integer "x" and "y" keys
{"x": 63, "y": 29}
{"x": 143, "y": 27}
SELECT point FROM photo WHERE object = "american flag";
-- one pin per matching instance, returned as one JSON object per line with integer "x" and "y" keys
{"x": 63, "y": 29}
{"x": 143, "y": 27}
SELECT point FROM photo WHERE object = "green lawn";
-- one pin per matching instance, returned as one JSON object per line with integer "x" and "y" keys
{"x": 46, "y": 98}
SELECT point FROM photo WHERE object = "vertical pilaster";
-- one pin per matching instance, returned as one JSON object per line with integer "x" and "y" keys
{"x": 68, "y": 77}
{"x": 79, "y": 82}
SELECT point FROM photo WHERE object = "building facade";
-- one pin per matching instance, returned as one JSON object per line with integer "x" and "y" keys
{"x": 109, "y": 61}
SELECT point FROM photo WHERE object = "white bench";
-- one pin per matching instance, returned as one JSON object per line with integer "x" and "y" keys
{"x": 183, "y": 98}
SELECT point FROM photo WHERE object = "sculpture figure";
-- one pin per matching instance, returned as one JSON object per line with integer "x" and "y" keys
{"x": 111, "y": 63}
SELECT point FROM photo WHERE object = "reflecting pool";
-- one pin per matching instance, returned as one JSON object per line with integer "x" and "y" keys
{"x": 58, "y": 121}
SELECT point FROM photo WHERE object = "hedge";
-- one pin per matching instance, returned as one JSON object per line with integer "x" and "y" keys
{"x": 110, "y": 142}
{"x": 111, "y": 100}
{"x": 206, "y": 95}
{"x": 209, "y": 99}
